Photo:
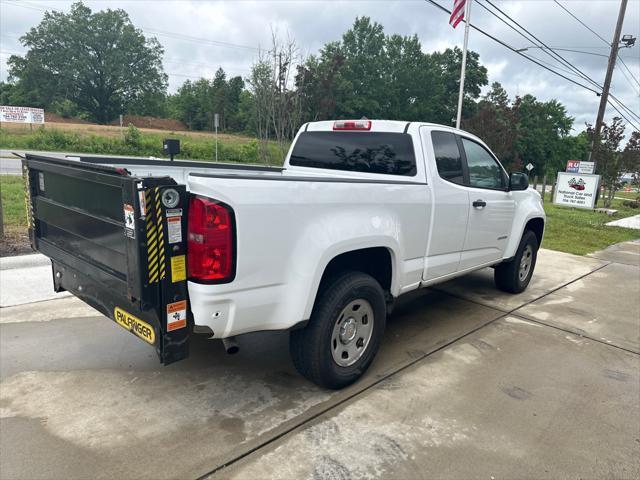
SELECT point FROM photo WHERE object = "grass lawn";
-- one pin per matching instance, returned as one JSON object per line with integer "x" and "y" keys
{"x": 13, "y": 203}
{"x": 14, "y": 211}
{"x": 627, "y": 195}
{"x": 582, "y": 231}
{"x": 109, "y": 140}
{"x": 569, "y": 230}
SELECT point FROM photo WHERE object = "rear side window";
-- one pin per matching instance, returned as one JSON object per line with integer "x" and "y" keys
{"x": 448, "y": 158}
{"x": 369, "y": 152}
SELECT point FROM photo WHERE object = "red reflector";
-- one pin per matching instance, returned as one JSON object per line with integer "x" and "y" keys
{"x": 210, "y": 241}
{"x": 352, "y": 125}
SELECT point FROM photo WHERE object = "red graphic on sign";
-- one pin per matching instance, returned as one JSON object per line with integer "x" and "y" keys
{"x": 576, "y": 185}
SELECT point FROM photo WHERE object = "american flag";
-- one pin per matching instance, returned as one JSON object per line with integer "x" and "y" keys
{"x": 457, "y": 14}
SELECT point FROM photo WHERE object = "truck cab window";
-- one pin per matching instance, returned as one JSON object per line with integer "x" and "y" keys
{"x": 448, "y": 159}
{"x": 484, "y": 170}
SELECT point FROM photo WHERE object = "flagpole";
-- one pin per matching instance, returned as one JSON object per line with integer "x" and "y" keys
{"x": 467, "y": 21}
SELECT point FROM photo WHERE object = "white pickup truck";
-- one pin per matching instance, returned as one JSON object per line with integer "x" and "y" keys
{"x": 362, "y": 212}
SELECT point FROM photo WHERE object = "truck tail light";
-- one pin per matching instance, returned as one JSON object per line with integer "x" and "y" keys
{"x": 210, "y": 241}
{"x": 352, "y": 125}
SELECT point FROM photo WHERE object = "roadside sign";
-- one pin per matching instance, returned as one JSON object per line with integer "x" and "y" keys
{"x": 529, "y": 167}
{"x": 586, "y": 167}
{"x": 573, "y": 166}
{"x": 576, "y": 190}
{"x": 216, "y": 120}
{"x": 21, "y": 114}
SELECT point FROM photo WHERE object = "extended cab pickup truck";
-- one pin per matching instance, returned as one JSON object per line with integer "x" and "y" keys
{"x": 361, "y": 212}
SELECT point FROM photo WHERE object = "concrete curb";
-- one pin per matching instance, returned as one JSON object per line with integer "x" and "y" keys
{"x": 23, "y": 261}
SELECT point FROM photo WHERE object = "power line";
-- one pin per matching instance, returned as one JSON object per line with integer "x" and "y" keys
{"x": 543, "y": 48}
{"x": 190, "y": 38}
{"x": 635, "y": 90}
{"x": 176, "y": 35}
{"x": 623, "y": 115}
{"x": 581, "y": 22}
{"x": 513, "y": 49}
{"x": 630, "y": 73}
{"x": 547, "y": 50}
{"x": 560, "y": 69}
{"x": 624, "y": 107}
{"x": 24, "y": 5}
{"x": 572, "y": 50}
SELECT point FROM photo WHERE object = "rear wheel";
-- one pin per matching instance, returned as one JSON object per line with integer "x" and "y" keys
{"x": 514, "y": 276}
{"x": 344, "y": 331}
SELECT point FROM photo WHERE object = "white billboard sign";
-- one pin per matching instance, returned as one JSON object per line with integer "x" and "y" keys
{"x": 576, "y": 189}
{"x": 21, "y": 114}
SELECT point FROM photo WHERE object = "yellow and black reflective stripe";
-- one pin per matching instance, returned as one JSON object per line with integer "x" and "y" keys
{"x": 155, "y": 236}
{"x": 27, "y": 197}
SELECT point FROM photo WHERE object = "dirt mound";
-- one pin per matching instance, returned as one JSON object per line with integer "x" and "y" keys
{"x": 152, "y": 122}
{"x": 137, "y": 120}
{"x": 50, "y": 117}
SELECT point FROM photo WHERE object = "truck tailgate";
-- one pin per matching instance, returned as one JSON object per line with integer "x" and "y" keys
{"x": 117, "y": 242}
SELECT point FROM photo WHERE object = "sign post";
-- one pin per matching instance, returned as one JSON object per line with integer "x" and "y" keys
{"x": 216, "y": 123}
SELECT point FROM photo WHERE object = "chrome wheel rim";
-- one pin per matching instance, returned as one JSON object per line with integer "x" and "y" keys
{"x": 525, "y": 263}
{"x": 352, "y": 332}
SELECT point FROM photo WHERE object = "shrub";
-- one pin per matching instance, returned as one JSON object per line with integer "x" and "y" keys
{"x": 132, "y": 138}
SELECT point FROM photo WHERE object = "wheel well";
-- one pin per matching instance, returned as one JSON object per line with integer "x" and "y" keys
{"x": 372, "y": 261}
{"x": 536, "y": 225}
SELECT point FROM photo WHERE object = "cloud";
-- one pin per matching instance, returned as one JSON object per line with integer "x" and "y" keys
{"x": 242, "y": 24}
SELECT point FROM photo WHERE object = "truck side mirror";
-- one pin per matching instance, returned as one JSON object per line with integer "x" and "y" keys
{"x": 518, "y": 181}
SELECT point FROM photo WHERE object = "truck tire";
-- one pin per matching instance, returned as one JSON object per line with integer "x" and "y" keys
{"x": 344, "y": 332}
{"x": 514, "y": 276}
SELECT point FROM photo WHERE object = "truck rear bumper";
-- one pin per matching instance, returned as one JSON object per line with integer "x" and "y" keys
{"x": 241, "y": 311}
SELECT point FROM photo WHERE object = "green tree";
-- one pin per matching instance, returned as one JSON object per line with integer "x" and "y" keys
{"x": 526, "y": 131}
{"x": 447, "y": 66}
{"x": 368, "y": 73}
{"x": 496, "y": 123}
{"x": 612, "y": 162}
{"x": 541, "y": 128}
{"x": 219, "y": 96}
{"x": 99, "y": 61}
{"x": 631, "y": 157}
{"x": 233, "y": 119}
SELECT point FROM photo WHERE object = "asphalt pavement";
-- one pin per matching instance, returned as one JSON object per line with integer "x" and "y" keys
{"x": 10, "y": 164}
{"x": 469, "y": 382}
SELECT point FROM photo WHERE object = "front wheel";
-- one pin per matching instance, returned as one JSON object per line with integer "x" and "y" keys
{"x": 514, "y": 276}
{"x": 344, "y": 331}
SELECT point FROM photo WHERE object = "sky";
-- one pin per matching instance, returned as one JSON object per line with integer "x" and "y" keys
{"x": 201, "y": 36}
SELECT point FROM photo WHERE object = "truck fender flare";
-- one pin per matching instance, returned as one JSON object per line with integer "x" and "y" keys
{"x": 348, "y": 247}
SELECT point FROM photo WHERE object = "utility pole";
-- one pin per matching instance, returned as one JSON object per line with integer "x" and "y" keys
{"x": 604, "y": 97}
{"x": 615, "y": 45}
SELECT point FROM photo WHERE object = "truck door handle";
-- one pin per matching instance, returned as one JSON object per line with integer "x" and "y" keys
{"x": 479, "y": 204}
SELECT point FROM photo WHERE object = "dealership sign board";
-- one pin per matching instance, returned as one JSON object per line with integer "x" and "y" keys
{"x": 21, "y": 114}
{"x": 586, "y": 167}
{"x": 576, "y": 190}
{"x": 576, "y": 166}
{"x": 573, "y": 166}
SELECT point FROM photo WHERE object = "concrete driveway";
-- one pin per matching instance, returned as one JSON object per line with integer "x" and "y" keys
{"x": 469, "y": 383}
